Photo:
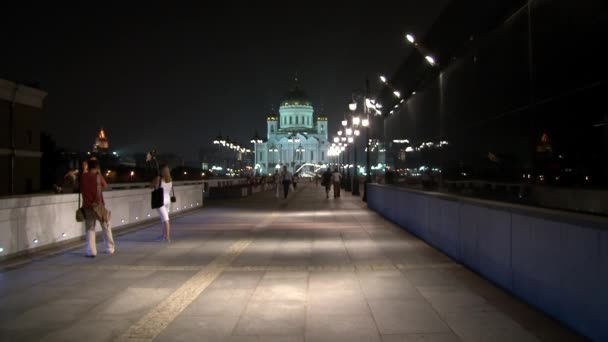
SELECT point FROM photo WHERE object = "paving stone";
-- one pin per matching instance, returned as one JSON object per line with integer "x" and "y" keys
{"x": 314, "y": 270}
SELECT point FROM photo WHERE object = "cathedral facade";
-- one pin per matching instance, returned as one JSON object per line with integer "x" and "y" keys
{"x": 294, "y": 138}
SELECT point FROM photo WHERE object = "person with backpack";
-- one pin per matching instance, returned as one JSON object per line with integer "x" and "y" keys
{"x": 92, "y": 184}
{"x": 286, "y": 179}
{"x": 326, "y": 181}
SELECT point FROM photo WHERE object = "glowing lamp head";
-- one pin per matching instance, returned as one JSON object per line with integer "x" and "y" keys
{"x": 410, "y": 38}
{"x": 383, "y": 79}
{"x": 430, "y": 60}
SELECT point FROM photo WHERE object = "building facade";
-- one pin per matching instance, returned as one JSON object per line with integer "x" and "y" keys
{"x": 294, "y": 138}
{"x": 20, "y": 115}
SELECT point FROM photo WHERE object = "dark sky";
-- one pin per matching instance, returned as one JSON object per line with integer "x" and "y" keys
{"x": 173, "y": 77}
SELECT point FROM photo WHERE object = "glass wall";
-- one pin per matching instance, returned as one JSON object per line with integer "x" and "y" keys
{"x": 517, "y": 113}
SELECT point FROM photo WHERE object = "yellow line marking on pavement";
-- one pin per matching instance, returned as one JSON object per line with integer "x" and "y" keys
{"x": 156, "y": 320}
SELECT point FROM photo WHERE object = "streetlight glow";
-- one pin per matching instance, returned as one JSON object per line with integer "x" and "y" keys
{"x": 410, "y": 38}
{"x": 383, "y": 79}
{"x": 397, "y": 93}
{"x": 430, "y": 59}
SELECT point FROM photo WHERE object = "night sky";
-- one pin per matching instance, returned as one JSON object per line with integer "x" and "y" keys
{"x": 171, "y": 78}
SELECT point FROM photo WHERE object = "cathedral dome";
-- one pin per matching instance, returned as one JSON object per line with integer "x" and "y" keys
{"x": 296, "y": 97}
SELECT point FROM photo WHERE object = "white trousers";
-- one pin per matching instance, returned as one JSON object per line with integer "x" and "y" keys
{"x": 163, "y": 212}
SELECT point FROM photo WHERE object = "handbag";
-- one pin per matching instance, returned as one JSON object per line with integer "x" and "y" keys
{"x": 157, "y": 199}
{"x": 173, "y": 198}
{"x": 80, "y": 210}
{"x": 103, "y": 214}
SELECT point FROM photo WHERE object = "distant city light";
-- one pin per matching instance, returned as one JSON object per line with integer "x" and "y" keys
{"x": 356, "y": 120}
{"x": 365, "y": 122}
{"x": 132, "y": 173}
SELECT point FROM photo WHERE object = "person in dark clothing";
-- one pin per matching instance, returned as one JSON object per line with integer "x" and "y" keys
{"x": 326, "y": 181}
{"x": 286, "y": 180}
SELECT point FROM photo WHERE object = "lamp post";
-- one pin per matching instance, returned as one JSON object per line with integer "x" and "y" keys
{"x": 272, "y": 150}
{"x": 300, "y": 151}
{"x": 293, "y": 139}
{"x": 354, "y": 132}
{"x": 255, "y": 141}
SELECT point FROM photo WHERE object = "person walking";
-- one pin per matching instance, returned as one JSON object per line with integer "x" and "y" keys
{"x": 92, "y": 184}
{"x": 336, "y": 177}
{"x": 326, "y": 181}
{"x": 286, "y": 179}
{"x": 276, "y": 184}
{"x": 164, "y": 181}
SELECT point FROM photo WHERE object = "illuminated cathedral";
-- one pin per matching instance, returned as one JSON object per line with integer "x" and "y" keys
{"x": 294, "y": 137}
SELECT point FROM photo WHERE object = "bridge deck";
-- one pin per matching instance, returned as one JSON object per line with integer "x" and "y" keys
{"x": 262, "y": 269}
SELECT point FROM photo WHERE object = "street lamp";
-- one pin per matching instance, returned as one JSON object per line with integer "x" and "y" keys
{"x": 410, "y": 38}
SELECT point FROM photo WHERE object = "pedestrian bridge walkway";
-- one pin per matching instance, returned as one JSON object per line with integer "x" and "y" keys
{"x": 265, "y": 269}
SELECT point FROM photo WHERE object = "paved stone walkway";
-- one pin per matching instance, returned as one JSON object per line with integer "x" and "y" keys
{"x": 262, "y": 269}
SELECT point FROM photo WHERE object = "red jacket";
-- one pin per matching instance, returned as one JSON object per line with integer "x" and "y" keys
{"x": 88, "y": 188}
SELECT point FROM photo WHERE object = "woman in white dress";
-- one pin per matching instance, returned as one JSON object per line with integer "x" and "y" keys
{"x": 164, "y": 181}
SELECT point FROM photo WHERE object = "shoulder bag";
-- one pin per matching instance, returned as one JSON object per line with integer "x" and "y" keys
{"x": 103, "y": 214}
{"x": 173, "y": 198}
{"x": 157, "y": 198}
{"x": 79, "y": 211}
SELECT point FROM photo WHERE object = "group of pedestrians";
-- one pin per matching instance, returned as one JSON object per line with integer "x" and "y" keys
{"x": 90, "y": 183}
{"x": 329, "y": 179}
{"x": 284, "y": 180}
